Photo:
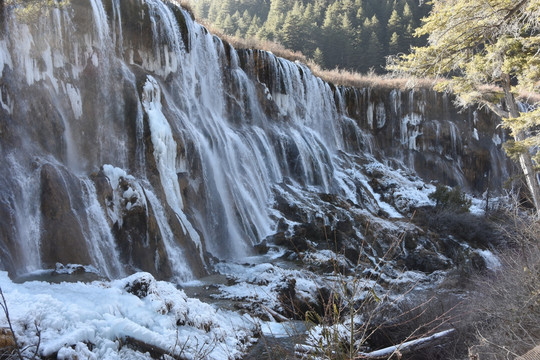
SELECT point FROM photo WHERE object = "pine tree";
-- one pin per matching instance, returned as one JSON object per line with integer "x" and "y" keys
{"x": 374, "y": 52}
{"x": 319, "y": 11}
{"x": 311, "y": 30}
{"x": 500, "y": 50}
{"x": 292, "y": 34}
{"x": 254, "y": 26}
{"x": 341, "y": 29}
{"x": 394, "y": 45}
{"x": 276, "y": 19}
{"x": 347, "y": 34}
{"x": 213, "y": 11}
{"x": 347, "y": 8}
{"x": 225, "y": 11}
{"x": 228, "y": 25}
{"x": 318, "y": 57}
{"x": 201, "y": 8}
{"x": 333, "y": 36}
{"x": 394, "y": 23}
{"x": 375, "y": 25}
{"x": 407, "y": 13}
{"x": 243, "y": 22}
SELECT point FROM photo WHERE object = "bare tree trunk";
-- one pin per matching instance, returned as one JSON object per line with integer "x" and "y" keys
{"x": 525, "y": 159}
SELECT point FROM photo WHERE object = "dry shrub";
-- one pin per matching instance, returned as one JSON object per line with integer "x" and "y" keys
{"x": 423, "y": 315}
{"x": 479, "y": 231}
{"x": 367, "y": 310}
{"x": 506, "y": 305}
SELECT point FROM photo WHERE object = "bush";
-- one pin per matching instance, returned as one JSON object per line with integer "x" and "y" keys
{"x": 453, "y": 199}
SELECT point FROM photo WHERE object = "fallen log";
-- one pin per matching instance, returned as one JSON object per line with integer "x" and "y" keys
{"x": 406, "y": 347}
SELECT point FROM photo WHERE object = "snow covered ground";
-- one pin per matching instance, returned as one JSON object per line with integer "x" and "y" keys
{"x": 105, "y": 320}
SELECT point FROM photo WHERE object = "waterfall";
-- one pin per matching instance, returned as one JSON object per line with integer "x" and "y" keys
{"x": 172, "y": 144}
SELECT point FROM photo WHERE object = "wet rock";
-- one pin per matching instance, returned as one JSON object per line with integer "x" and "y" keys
{"x": 424, "y": 130}
{"x": 286, "y": 295}
{"x": 426, "y": 261}
{"x": 294, "y": 243}
{"x": 262, "y": 247}
{"x": 62, "y": 237}
{"x": 103, "y": 188}
{"x": 136, "y": 231}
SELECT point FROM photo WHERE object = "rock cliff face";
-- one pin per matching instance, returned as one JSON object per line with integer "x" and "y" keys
{"x": 132, "y": 139}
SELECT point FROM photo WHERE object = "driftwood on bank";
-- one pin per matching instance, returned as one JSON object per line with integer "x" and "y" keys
{"x": 404, "y": 348}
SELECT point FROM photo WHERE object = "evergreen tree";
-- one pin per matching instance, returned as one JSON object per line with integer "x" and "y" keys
{"x": 407, "y": 13}
{"x": 394, "y": 23}
{"x": 243, "y": 22}
{"x": 375, "y": 25}
{"x": 293, "y": 34}
{"x": 341, "y": 29}
{"x": 347, "y": 8}
{"x": 276, "y": 19}
{"x": 319, "y": 12}
{"x": 201, "y": 8}
{"x": 334, "y": 41}
{"x": 500, "y": 50}
{"x": 225, "y": 11}
{"x": 254, "y": 26}
{"x": 311, "y": 30}
{"x": 214, "y": 11}
{"x": 349, "y": 48}
{"x": 394, "y": 45}
{"x": 360, "y": 17}
{"x": 228, "y": 25}
{"x": 318, "y": 57}
{"x": 374, "y": 52}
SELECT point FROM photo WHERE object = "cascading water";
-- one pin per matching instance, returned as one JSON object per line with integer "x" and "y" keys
{"x": 172, "y": 145}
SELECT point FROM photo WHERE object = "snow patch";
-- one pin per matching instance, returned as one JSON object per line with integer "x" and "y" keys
{"x": 72, "y": 315}
{"x": 492, "y": 262}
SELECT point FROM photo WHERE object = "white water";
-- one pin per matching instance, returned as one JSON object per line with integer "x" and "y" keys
{"x": 99, "y": 239}
{"x": 181, "y": 271}
{"x": 27, "y": 214}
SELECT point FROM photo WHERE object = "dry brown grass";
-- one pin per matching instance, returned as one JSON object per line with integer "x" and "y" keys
{"x": 372, "y": 80}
